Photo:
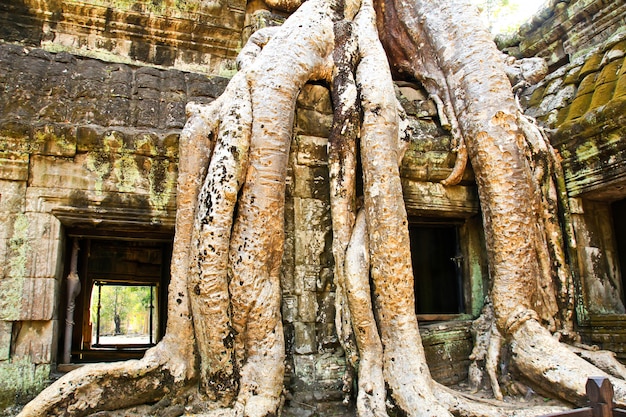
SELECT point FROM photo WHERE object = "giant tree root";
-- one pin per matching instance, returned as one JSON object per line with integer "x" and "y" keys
{"x": 238, "y": 212}
{"x": 112, "y": 386}
{"x": 551, "y": 366}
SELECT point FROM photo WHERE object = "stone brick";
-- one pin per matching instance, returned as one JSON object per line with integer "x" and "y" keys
{"x": 44, "y": 236}
{"x": 329, "y": 370}
{"x": 289, "y": 308}
{"x": 5, "y": 340}
{"x": 315, "y": 97}
{"x": 117, "y": 111}
{"x": 146, "y": 113}
{"x": 55, "y": 139}
{"x": 609, "y": 73}
{"x": 602, "y": 95}
{"x": 313, "y": 123}
{"x": 13, "y": 166}
{"x": 304, "y": 343}
{"x": 35, "y": 341}
{"x": 312, "y": 151}
{"x": 61, "y": 173}
{"x": 311, "y": 182}
{"x": 305, "y": 368}
{"x": 39, "y": 298}
{"x": 307, "y": 307}
{"x": 579, "y": 106}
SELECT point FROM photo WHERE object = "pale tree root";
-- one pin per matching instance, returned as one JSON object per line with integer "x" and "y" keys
{"x": 551, "y": 366}
{"x": 603, "y": 359}
{"x": 111, "y": 386}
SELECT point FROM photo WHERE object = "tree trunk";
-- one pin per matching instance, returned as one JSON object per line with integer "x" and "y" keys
{"x": 225, "y": 337}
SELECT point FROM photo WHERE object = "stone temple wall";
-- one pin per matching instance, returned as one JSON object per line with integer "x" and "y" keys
{"x": 202, "y": 36}
{"x": 565, "y": 29}
{"x": 582, "y": 103}
{"x": 93, "y": 146}
{"x": 87, "y": 144}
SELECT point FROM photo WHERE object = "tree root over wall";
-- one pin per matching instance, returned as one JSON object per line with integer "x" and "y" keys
{"x": 225, "y": 339}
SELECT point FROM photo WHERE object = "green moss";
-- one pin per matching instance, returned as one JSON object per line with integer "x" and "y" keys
{"x": 620, "y": 87}
{"x": 21, "y": 380}
{"x": 602, "y": 95}
{"x": 11, "y": 286}
{"x": 592, "y": 64}
{"x": 586, "y": 151}
{"x": 579, "y": 107}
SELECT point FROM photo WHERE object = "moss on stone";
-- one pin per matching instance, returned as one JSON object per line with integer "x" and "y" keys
{"x": 579, "y": 106}
{"x": 11, "y": 286}
{"x": 536, "y": 97}
{"x": 587, "y": 85}
{"x": 620, "y": 86}
{"x": 609, "y": 72}
{"x": 592, "y": 64}
{"x": 602, "y": 95}
{"x": 21, "y": 380}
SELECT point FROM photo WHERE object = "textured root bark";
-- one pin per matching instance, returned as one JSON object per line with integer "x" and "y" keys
{"x": 463, "y": 405}
{"x": 549, "y": 364}
{"x": 211, "y": 238}
{"x": 371, "y": 394}
{"x": 257, "y": 240}
{"x": 603, "y": 359}
{"x": 342, "y": 165}
{"x": 110, "y": 386}
{"x": 404, "y": 363}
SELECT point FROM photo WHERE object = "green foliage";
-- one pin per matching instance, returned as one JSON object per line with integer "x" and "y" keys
{"x": 130, "y": 303}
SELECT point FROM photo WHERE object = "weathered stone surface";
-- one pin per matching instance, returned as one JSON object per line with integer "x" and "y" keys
{"x": 433, "y": 199}
{"x": 35, "y": 341}
{"x": 5, "y": 340}
{"x": 305, "y": 340}
{"x": 181, "y": 34}
{"x": 564, "y": 29}
{"x": 13, "y": 166}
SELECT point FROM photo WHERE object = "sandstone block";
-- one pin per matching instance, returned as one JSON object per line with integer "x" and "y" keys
{"x": 13, "y": 166}
{"x": 315, "y": 97}
{"x": 39, "y": 299}
{"x": 312, "y": 151}
{"x": 54, "y": 139}
{"x": 5, "y": 340}
{"x": 305, "y": 368}
{"x": 311, "y": 182}
{"x": 304, "y": 343}
{"x": 35, "y": 341}
{"x": 307, "y": 309}
{"x": 313, "y": 123}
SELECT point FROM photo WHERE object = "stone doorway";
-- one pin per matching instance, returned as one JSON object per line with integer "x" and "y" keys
{"x": 121, "y": 308}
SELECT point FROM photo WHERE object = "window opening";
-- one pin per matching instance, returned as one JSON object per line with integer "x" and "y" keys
{"x": 123, "y": 314}
{"x": 438, "y": 265}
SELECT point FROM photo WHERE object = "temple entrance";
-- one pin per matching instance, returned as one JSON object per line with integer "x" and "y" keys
{"x": 438, "y": 265}
{"x": 120, "y": 310}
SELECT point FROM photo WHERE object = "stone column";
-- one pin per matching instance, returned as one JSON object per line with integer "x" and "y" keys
{"x": 73, "y": 289}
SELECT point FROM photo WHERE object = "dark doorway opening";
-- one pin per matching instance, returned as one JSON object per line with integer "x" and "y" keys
{"x": 438, "y": 270}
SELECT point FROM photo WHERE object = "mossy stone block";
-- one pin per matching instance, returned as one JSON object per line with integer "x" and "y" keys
{"x": 620, "y": 86}
{"x": 602, "y": 95}
{"x": 587, "y": 85}
{"x": 592, "y": 64}
{"x": 609, "y": 72}
{"x": 579, "y": 106}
